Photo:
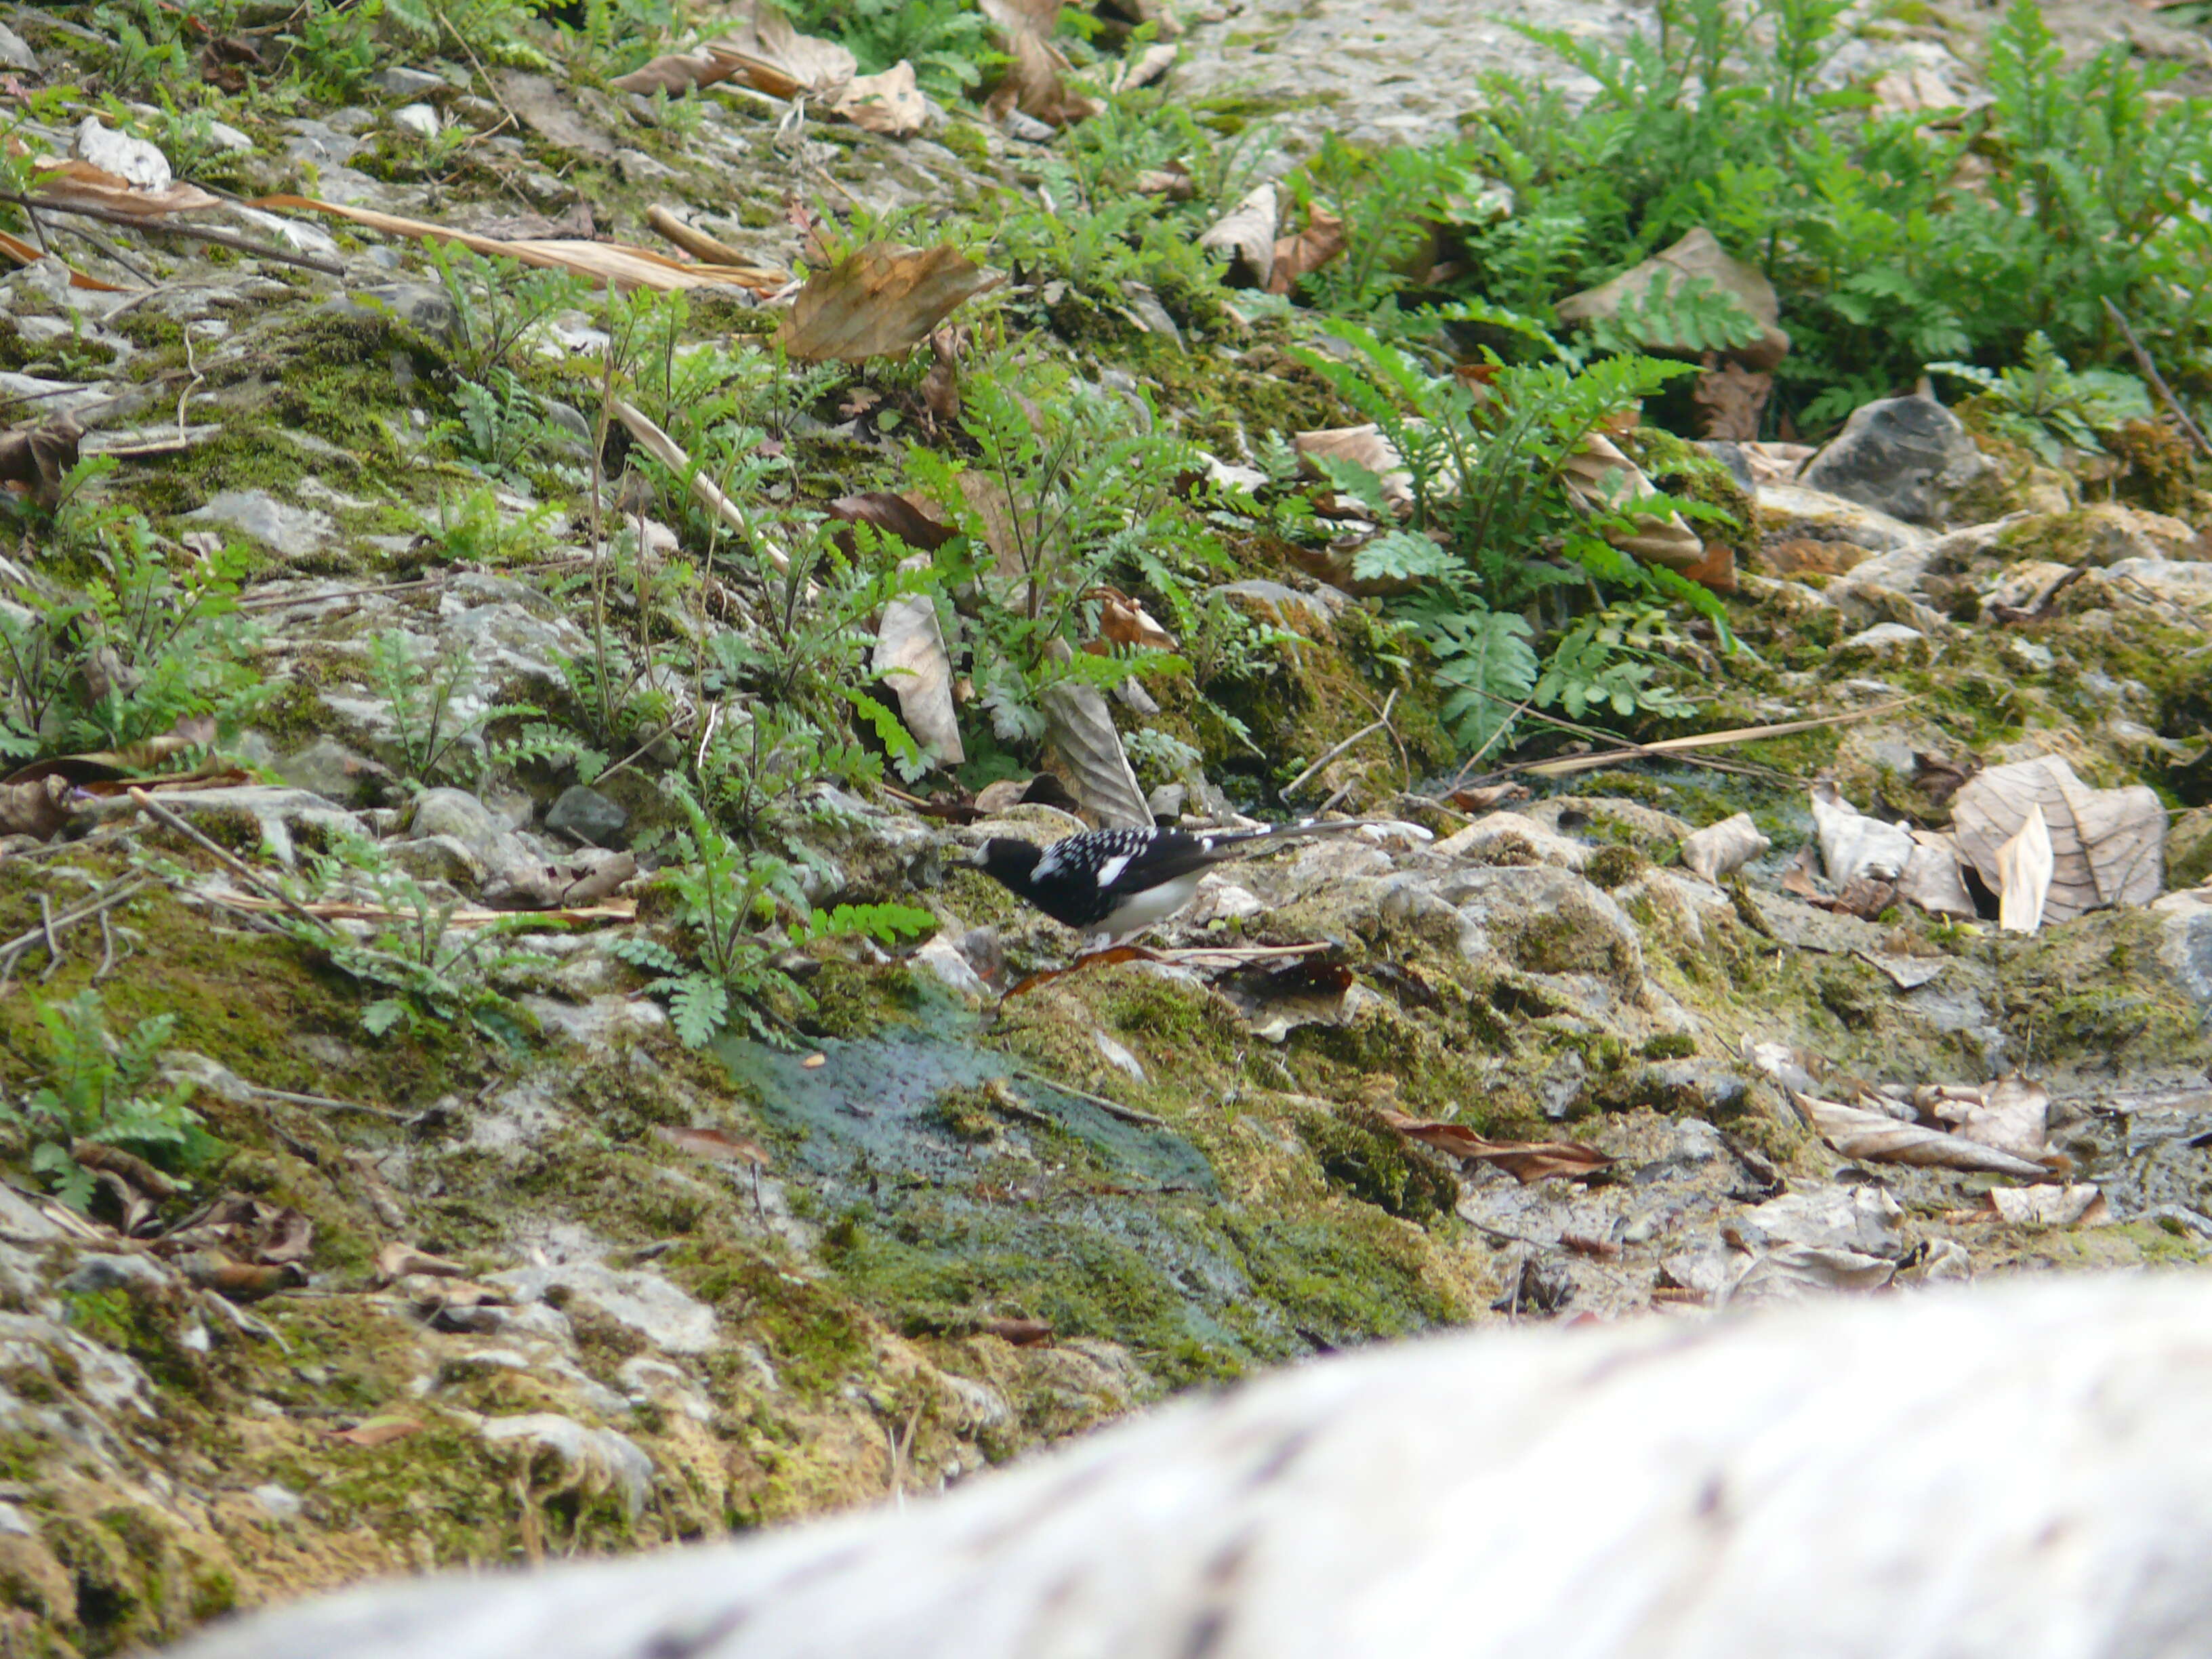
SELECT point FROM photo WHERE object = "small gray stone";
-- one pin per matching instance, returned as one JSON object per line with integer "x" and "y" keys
{"x": 1885, "y": 639}
{"x": 403, "y": 82}
{"x": 95, "y": 1273}
{"x": 421, "y": 119}
{"x": 588, "y": 816}
{"x": 223, "y": 136}
{"x": 1904, "y": 455}
{"x": 294, "y": 532}
{"x": 15, "y": 53}
{"x": 339, "y": 774}
{"x": 416, "y": 304}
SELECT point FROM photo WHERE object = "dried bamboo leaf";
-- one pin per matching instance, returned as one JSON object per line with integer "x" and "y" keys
{"x": 1857, "y": 1133}
{"x": 609, "y": 264}
{"x": 677, "y": 72}
{"x": 881, "y": 300}
{"x": 15, "y": 248}
{"x": 702, "y": 246}
{"x": 1526, "y": 1161}
{"x": 79, "y": 184}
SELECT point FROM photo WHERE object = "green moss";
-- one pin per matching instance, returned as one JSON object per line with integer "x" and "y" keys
{"x": 1361, "y": 1155}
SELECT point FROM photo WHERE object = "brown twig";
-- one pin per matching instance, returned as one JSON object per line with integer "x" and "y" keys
{"x": 1367, "y": 731}
{"x": 50, "y": 925}
{"x": 193, "y": 233}
{"x": 161, "y": 814}
{"x": 2158, "y": 381}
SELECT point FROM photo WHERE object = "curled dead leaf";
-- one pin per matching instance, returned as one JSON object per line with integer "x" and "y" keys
{"x": 777, "y": 60}
{"x": 1526, "y": 1161}
{"x": 1321, "y": 241}
{"x": 1599, "y": 476}
{"x": 890, "y": 103}
{"x": 74, "y": 183}
{"x": 675, "y": 73}
{"x": 2025, "y": 864}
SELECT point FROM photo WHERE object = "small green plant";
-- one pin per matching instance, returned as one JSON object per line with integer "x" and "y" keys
{"x": 103, "y": 1089}
{"x": 502, "y": 424}
{"x": 431, "y": 973}
{"x": 727, "y": 898}
{"x": 154, "y": 637}
{"x": 2049, "y": 406}
{"x": 949, "y": 42}
{"x": 1494, "y": 531}
{"x": 501, "y": 307}
{"x": 333, "y": 44}
{"x": 437, "y": 721}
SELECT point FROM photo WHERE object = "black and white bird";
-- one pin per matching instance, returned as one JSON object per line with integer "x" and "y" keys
{"x": 1111, "y": 884}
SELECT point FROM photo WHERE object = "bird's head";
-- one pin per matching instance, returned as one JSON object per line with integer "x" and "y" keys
{"x": 1008, "y": 858}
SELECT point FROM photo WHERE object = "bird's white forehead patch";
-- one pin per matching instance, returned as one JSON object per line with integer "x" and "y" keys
{"x": 1110, "y": 871}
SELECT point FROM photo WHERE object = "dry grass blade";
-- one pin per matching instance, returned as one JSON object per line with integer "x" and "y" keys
{"x": 15, "y": 248}
{"x": 1559, "y": 768}
{"x": 670, "y": 453}
{"x": 881, "y": 300}
{"x": 615, "y": 265}
{"x": 702, "y": 246}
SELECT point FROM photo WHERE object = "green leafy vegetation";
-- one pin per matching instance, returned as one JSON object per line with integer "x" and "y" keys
{"x": 101, "y": 1088}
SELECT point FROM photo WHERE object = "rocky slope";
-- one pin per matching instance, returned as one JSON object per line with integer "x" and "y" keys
{"x": 533, "y": 1277}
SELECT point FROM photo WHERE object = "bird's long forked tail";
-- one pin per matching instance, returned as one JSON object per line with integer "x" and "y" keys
{"x": 1240, "y": 839}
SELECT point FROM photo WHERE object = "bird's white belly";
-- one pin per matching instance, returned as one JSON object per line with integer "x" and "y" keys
{"x": 1154, "y": 905}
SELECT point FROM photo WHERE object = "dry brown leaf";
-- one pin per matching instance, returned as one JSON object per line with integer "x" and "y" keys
{"x": 1788, "y": 1271}
{"x": 79, "y": 184}
{"x": 1489, "y": 798}
{"x": 676, "y": 73}
{"x": 890, "y": 103}
{"x": 1147, "y": 67}
{"x": 1321, "y": 241}
{"x": 883, "y": 299}
{"x": 1122, "y": 620}
{"x": 372, "y": 1432}
{"x": 609, "y": 264}
{"x": 2011, "y": 1115}
{"x": 777, "y": 60}
{"x": 36, "y": 459}
{"x": 1597, "y": 475}
{"x": 1079, "y": 729}
{"x": 1723, "y": 848}
{"x": 895, "y": 515}
{"x": 2049, "y": 1205}
{"x": 1363, "y": 446}
{"x": 1932, "y": 878}
{"x": 940, "y": 387}
{"x": 910, "y": 655}
{"x": 1526, "y": 1161}
{"x": 1699, "y": 254}
{"x": 1035, "y": 81}
{"x": 396, "y": 1260}
{"x": 190, "y": 733}
{"x": 1246, "y": 235}
{"x": 2108, "y": 846}
{"x": 718, "y": 1145}
{"x": 1854, "y": 845}
{"x": 1857, "y": 1133}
